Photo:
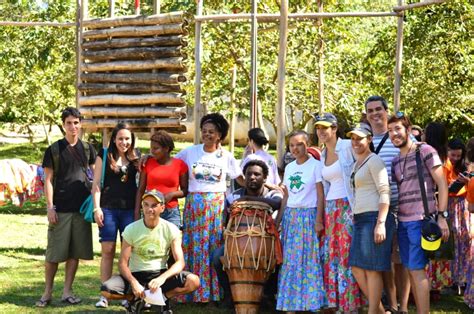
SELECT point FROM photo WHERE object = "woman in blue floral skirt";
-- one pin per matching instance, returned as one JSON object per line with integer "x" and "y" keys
{"x": 300, "y": 283}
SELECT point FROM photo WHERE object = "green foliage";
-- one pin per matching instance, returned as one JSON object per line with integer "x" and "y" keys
{"x": 37, "y": 65}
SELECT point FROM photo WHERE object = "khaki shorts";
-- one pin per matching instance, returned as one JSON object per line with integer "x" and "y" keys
{"x": 70, "y": 238}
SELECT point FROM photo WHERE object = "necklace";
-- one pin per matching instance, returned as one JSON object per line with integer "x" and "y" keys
{"x": 402, "y": 171}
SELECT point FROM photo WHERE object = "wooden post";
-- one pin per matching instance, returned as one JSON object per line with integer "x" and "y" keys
{"x": 111, "y": 8}
{"x": 197, "y": 53}
{"x": 156, "y": 6}
{"x": 233, "y": 116}
{"x": 253, "y": 70}
{"x": 281, "y": 112}
{"x": 322, "y": 104}
{"x": 398, "y": 61}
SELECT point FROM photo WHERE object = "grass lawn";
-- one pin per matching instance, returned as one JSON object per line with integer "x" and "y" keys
{"x": 23, "y": 242}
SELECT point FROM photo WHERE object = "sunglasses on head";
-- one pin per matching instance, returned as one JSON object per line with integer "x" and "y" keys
{"x": 399, "y": 114}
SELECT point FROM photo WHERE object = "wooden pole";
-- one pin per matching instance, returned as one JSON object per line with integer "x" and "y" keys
{"x": 416, "y": 5}
{"x": 233, "y": 116}
{"x": 111, "y": 8}
{"x": 198, "y": 112}
{"x": 28, "y": 24}
{"x": 322, "y": 104}
{"x": 398, "y": 62}
{"x": 156, "y": 6}
{"x": 280, "y": 112}
{"x": 253, "y": 65}
{"x": 274, "y": 18}
{"x": 79, "y": 16}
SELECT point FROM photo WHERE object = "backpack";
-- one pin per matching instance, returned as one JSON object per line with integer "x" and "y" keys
{"x": 55, "y": 155}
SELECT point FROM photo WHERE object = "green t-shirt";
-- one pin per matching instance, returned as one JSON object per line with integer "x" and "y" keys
{"x": 150, "y": 247}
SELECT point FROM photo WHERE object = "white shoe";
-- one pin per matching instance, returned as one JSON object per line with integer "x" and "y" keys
{"x": 103, "y": 302}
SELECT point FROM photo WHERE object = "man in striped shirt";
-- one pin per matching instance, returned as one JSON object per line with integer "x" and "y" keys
{"x": 377, "y": 115}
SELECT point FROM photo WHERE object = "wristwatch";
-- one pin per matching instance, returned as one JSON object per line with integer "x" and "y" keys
{"x": 444, "y": 214}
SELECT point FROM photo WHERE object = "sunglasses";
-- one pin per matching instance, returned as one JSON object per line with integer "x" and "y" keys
{"x": 399, "y": 114}
{"x": 123, "y": 174}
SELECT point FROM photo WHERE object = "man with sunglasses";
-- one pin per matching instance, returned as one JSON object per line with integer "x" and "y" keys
{"x": 377, "y": 115}
{"x": 146, "y": 246}
{"x": 411, "y": 209}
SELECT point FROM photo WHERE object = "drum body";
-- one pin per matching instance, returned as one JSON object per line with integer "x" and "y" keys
{"x": 249, "y": 254}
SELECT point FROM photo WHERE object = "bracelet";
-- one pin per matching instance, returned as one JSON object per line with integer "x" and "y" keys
{"x": 380, "y": 221}
{"x": 96, "y": 209}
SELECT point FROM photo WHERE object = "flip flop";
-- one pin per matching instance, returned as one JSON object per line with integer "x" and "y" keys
{"x": 71, "y": 300}
{"x": 43, "y": 303}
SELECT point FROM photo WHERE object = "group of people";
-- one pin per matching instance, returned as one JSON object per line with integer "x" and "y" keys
{"x": 350, "y": 212}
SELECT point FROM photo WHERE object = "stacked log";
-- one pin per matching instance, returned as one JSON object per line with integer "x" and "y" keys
{"x": 131, "y": 70}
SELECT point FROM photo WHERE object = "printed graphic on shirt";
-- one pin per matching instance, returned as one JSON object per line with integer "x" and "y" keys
{"x": 296, "y": 184}
{"x": 150, "y": 250}
{"x": 207, "y": 173}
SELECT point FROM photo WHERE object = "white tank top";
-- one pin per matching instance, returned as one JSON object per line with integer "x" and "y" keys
{"x": 333, "y": 174}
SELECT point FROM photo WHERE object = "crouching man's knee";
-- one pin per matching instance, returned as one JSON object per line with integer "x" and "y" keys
{"x": 115, "y": 289}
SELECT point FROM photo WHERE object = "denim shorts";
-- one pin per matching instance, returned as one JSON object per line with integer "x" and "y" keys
{"x": 364, "y": 252}
{"x": 172, "y": 215}
{"x": 114, "y": 220}
{"x": 409, "y": 241}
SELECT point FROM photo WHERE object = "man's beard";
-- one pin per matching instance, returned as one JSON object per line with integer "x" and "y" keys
{"x": 403, "y": 144}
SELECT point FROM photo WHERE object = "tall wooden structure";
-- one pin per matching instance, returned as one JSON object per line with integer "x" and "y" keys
{"x": 130, "y": 69}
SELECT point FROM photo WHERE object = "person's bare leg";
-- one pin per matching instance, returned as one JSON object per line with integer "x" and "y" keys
{"x": 390, "y": 288}
{"x": 421, "y": 287}
{"x": 360, "y": 277}
{"x": 50, "y": 270}
{"x": 107, "y": 260}
{"x": 70, "y": 274}
{"x": 191, "y": 284}
{"x": 374, "y": 287}
{"x": 402, "y": 282}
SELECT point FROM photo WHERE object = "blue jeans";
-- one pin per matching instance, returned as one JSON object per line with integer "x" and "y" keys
{"x": 172, "y": 215}
{"x": 114, "y": 220}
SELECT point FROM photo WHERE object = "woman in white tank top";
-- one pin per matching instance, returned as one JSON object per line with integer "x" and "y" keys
{"x": 337, "y": 158}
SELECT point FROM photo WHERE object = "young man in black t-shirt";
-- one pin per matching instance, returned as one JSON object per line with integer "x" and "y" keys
{"x": 67, "y": 185}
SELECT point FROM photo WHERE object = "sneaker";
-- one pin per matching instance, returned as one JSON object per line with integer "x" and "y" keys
{"x": 103, "y": 302}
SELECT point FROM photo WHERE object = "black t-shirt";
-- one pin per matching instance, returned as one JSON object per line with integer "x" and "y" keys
{"x": 72, "y": 186}
{"x": 115, "y": 193}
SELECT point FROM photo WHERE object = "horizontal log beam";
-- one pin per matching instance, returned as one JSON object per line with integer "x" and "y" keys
{"x": 133, "y": 53}
{"x": 275, "y": 17}
{"x": 120, "y": 99}
{"x": 136, "y": 31}
{"x": 152, "y": 78}
{"x": 166, "y": 18}
{"x": 133, "y": 123}
{"x": 166, "y": 63}
{"x": 417, "y": 5}
{"x": 30, "y": 24}
{"x": 91, "y": 88}
{"x": 176, "y": 40}
{"x": 134, "y": 112}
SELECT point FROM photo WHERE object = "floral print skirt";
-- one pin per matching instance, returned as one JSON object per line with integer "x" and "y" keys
{"x": 341, "y": 287}
{"x": 202, "y": 234}
{"x": 300, "y": 282}
{"x": 462, "y": 240}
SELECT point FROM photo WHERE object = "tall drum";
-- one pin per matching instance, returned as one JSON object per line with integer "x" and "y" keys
{"x": 249, "y": 255}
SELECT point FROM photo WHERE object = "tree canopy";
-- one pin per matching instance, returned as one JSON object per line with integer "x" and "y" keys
{"x": 37, "y": 64}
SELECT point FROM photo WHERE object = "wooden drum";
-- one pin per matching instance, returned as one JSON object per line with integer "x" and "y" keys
{"x": 249, "y": 254}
